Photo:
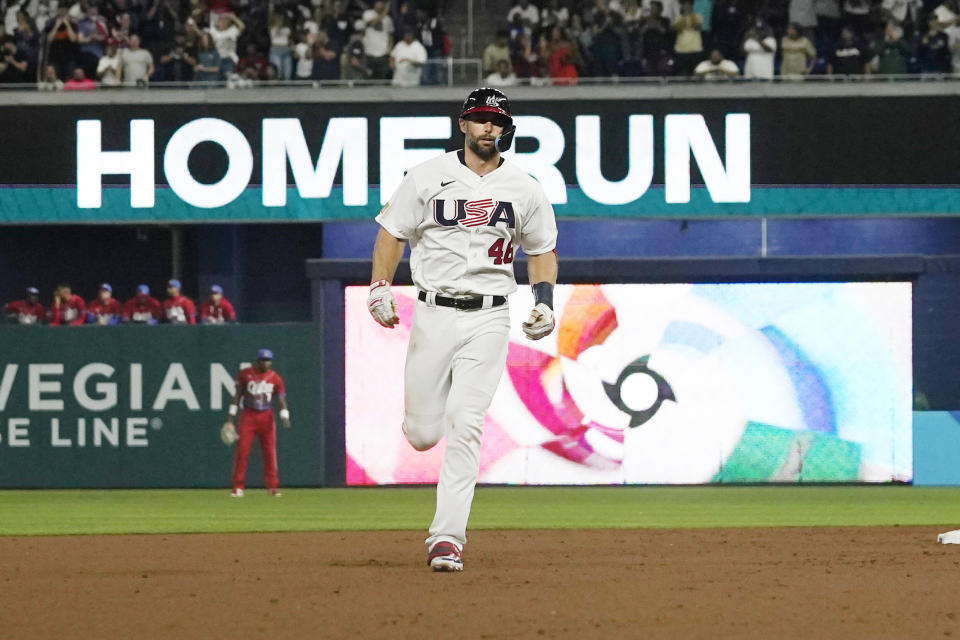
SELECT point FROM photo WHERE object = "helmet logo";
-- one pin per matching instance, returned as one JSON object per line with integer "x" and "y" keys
{"x": 492, "y": 101}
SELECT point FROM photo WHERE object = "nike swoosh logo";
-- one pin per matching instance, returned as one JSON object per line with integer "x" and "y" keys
{"x": 443, "y": 184}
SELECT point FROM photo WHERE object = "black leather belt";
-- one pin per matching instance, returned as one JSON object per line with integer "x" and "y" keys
{"x": 464, "y": 304}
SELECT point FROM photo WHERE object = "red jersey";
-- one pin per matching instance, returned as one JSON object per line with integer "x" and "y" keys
{"x": 142, "y": 310}
{"x": 180, "y": 310}
{"x": 22, "y": 312}
{"x": 217, "y": 313}
{"x": 100, "y": 313}
{"x": 70, "y": 312}
{"x": 259, "y": 388}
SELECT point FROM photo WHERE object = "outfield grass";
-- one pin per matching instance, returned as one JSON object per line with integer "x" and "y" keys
{"x": 183, "y": 511}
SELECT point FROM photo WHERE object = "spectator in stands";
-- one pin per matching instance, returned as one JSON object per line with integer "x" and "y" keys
{"x": 137, "y": 64}
{"x": 109, "y": 67}
{"x": 177, "y": 308}
{"x": 338, "y": 25}
{"x": 160, "y": 25}
{"x": 405, "y": 19}
{"x": 728, "y": 22}
{"x": 606, "y": 50}
{"x": 280, "y": 54}
{"x": 50, "y": 81}
{"x": 326, "y": 61}
{"x": 26, "y": 311}
{"x": 225, "y": 34}
{"x": 893, "y": 52}
{"x": 632, "y": 14}
{"x": 504, "y": 77}
{"x": 303, "y": 56}
{"x": 28, "y": 42}
{"x": 848, "y": 57}
{"x": 67, "y": 308}
{"x": 252, "y": 66}
{"x": 803, "y": 14}
{"x": 79, "y": 81}
{"x": 799, "y": 55}
{"x": 92, "y": 34}
{"x": 716, "y": 67}
{"x": 760, "y": 47}
{"x": 657, "y": 40}
{"x": 142, "y": 308}
{"x": 903, "y": 13}
{"x": 688, "y": 48}
{"x": 353, "y": 62}
{"x": 378, "y": 40}
{"x": 46, "y": 13}
{"x": 856, "y": 14}
{"x": 122, "y": 29}
{"x": 104, "y": 310}
{"x": 953, "y": 35}
{"x": 13, "y": 64}
{"x": 177, "y": 65}
{"x": 407, "y": 59}
{"x": 208, "y": 63}
{"x": 555, "y": 15}
{"x": 516, "y": 30}
{"x": 524, "y": 60}
{"x": 434, "y": 39}
{"x": 217, "y": 309}
{"x": 933, "y": 52}
{"x": 496, "y": 51}
{"x": 62, "y": 39}
{"x": 563, "y": 59}
{"x": 527, "y": 12}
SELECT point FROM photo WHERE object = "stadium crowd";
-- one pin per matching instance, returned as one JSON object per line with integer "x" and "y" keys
{"x": 70, "y": 309}
{"x": 559, "y": 42}
{"x": 86, "y": 44}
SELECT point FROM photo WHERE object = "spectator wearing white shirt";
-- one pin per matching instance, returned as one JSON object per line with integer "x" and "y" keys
{"x": 137, "y": 63}
{"x": 378, "y": 39}
{"x": 716, "y": 67}
{"x": 953, "y": 33}
{"x": 554, "y": 15}
{"x": 225, "y": 34}
{"x": 760, "y": 47}
{"x": 303, "y": 53}
{"x": 108, "y": 67}
{"x": 502, "y": 77}
{"x": 280, "y": 54}
{"x": 527, "y": 11}
{"x": 407, "y": 59}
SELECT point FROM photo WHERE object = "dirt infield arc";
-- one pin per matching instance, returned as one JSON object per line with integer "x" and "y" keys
{"x": 865, "y": 582}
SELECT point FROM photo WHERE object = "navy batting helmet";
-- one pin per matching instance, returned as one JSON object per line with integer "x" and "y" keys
{"x": 492, "y": 101}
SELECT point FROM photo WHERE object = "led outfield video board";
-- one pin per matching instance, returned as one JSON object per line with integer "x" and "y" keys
{"x": 665, "y": 384}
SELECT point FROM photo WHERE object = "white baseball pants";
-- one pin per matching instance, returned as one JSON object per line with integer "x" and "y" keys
{"x": 454, "y": 363}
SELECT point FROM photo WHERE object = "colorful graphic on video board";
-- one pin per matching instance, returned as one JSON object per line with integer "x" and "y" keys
{"x": 665, "y": 384}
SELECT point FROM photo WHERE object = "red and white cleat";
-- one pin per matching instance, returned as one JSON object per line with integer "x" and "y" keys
{"x": 275, "y": 493}
{"x": 236, "y": 493}
{"x": 445, "y": 556}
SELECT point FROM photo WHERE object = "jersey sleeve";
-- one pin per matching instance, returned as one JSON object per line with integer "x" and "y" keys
{"x": 402, "y": 214}
{"x": 538, "y": 230}
{"x": 280, "y": 389}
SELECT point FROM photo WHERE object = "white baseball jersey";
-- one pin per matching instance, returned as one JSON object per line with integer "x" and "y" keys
{"x": 464, "y": 229}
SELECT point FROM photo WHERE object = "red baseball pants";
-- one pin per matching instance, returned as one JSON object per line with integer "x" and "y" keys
{"x": 260, "y": 424}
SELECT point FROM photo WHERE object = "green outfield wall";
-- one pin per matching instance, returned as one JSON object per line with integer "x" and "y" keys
{"x": 138, "y": 406}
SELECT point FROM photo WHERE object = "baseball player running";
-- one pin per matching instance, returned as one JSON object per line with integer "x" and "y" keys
{"x": 256, "y": 386}
{"x": 464, "y": 215}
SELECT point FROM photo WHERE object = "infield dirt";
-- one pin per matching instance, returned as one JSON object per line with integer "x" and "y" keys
{"x": 869, "y": 582}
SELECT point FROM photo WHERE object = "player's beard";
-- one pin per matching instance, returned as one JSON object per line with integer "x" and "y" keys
{"x": 484, "y": 153}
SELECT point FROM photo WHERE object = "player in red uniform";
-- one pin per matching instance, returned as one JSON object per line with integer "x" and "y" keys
{"x": 217, "y": 309}
{"x": 178, "y": 309}
{"x": 26, "y": 311}
{"x": 256, "y": 387}
{"x": 142, "y": 308}
{"x": 68, "y": 308}
{"x": 104, "y": 309}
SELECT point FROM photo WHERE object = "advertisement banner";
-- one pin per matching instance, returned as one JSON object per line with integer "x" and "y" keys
{"x": 132, "y": 406}
{"x": 666, "y": 384}
{"x": 609, "y": 158}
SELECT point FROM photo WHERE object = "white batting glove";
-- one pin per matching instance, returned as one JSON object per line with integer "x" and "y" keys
{"x": 381, "y": 304}
{"x": 540, "y": 323}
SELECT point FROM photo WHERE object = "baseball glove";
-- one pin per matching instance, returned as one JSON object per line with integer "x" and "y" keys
{"x": 228, "y": 433}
